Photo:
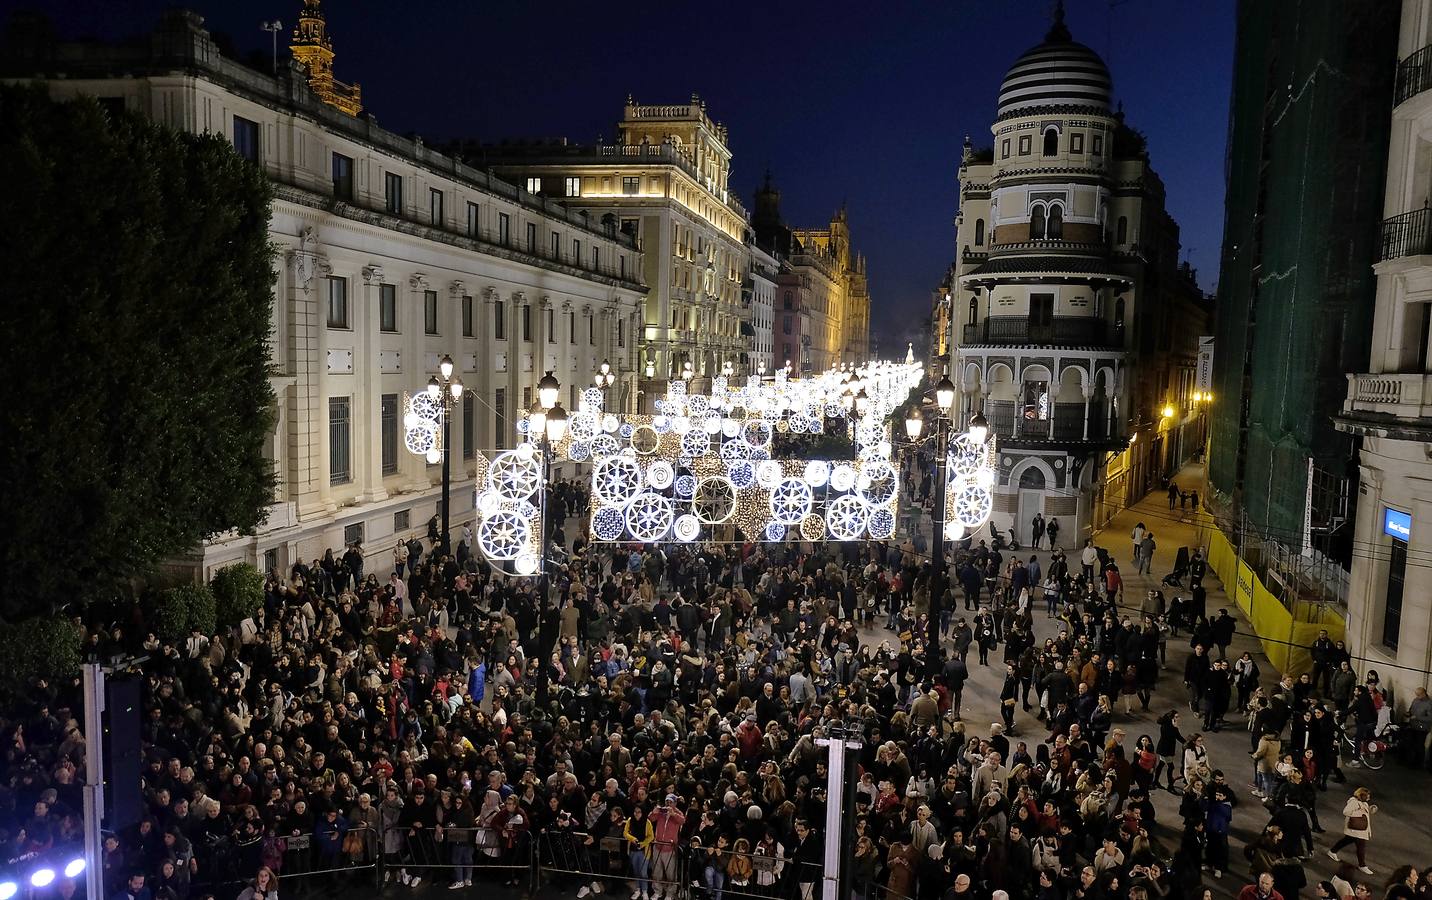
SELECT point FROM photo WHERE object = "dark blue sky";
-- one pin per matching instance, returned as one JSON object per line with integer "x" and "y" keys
{"x": 841, "y": 101}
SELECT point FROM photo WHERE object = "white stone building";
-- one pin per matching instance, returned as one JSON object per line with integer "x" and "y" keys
{"x": 761, "y": 310}
{"x": 389, "y": 256}
{"x": 1389, "y": 624}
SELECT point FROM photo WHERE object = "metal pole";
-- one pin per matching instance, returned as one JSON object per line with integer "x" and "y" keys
{"x": 447, "y": 470}
{"x": 940, "y": 576}
{"x": 835, "y": 813}
{"x": 544, "y": 672}
{"x": 94, "y": 779}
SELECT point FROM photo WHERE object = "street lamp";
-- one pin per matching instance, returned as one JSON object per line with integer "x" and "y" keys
{"x": 547, "y": 423}
{"x": 862, "y": 403}
{"x": 604, "y": 378}
{"x": 445, "y": 390}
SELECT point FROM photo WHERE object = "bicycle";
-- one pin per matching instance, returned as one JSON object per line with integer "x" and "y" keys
{"x": 1372, "y": 754}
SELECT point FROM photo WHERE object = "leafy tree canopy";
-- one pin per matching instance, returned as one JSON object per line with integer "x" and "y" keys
{"x": 135, "y": 399}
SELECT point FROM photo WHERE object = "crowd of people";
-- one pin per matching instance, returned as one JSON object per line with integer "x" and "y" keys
{"x": 394, "y": 725}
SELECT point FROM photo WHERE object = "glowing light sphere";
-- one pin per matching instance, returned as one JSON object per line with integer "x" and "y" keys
{"x": 882, "y": 524}
{"x": 884, "y": 449}
{"x": 684, "y": 486}
{"x": 525, "y": 564}
{"x": 842, "y": 477}
{"x": 579, "y": 451}
{"x": 817, "y": 473}
{"x": 790, "y": 501}
{"x": 813, "y": 528}
{"x": 433, "y": 456}
{"x": 775, "y": 531}
{"x": 648, "y": 517}
{"x": 686, "y": 528}
{"x": 815, "y": 426}
{"x": 742, "y": 473}
{"x": 488, "y": 502}
{"x": 661, "y": 424}
{"x": 616, "y": 480}
{"x": 680, "y": 424}
{"x": 768, "y": 473}
{"x": 846, "y": 518}
{"x": 521, "y": 426}
{"x": 608, "y": 523}
{"x": 984, "y": 477}
{"x": 712, "y": 425}
{"x": 503, "y": 535}
{"x": 954, "y": 531}
{"x": 730, "y": 428}
{"x": 660, "y": 474}
{"x": 610, "y": 423}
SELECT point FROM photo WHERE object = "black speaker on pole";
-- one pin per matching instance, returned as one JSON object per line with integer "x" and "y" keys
{"x": 124, "y": 803}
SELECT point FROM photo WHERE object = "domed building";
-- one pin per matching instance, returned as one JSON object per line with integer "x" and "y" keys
{"x": 1074, "y": 327}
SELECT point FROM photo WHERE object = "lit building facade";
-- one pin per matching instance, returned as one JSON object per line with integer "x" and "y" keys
{"x": 760, "y": 311}
{"x": 665, "y": 182}
{"x": 1389, "y": 602}
{"x": 389, "y": 257}
{"x": 1073, "y": 326}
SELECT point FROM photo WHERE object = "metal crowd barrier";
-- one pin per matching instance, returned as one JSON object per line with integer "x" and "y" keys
{"x": 457, "y": 854}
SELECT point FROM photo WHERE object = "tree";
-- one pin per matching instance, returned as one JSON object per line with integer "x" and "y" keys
{"x": 135, "y": 400}
{"x": 238, "y": 592}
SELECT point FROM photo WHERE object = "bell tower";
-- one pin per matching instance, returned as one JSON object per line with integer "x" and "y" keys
{"x": 314, "y": 50}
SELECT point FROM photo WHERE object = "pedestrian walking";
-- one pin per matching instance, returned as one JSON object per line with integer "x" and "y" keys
{"x": 1357, "y": 827}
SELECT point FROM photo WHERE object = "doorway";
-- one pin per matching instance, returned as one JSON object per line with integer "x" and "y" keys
{"x": 1031, "y": 501}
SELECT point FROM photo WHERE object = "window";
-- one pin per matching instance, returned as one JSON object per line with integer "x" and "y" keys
{"x": 596, "y": 259}
{"x": 572, "y": 332}
{"x": 388, "y": 307}
{"x": 574, "y": 186}
{"x": 270, "y": 555}
{"x": 785, "y": 324}
{"x": 337, "y": 302}
{"x": 393, "y": 193}
{"x": 467, "y": 329}
{"x": 1055, "y": 225}
{"x": 1396, "y": 581}
{"x": 534, "y": 185}
{"x": 631, "y": 184}
{"x": 786, "y": 348}
{"x": 591, "y": 331}
{"x": 1076, "y": 142}
{"x": 499, "y": 319}
{"x": 621, "y": 333}
{"x": 469, "y": 443}
{"x": 1036, "y": 400}
{"x": 1051, "y": 141}
{"x": 1098, "y": 145}
{"x": 527, "y": 397}
{"x": 342, "y": 177}
{"x": 1041, "y": 310}
{"x": 621, "y": 267}
{"x": 1036, "y": 222}
{"x": 246, "y": 138}
{"x": 1121, "y": 233}
{"x": 353, "y": 534}
{"x": 532, "y": 237}
{"x": 430, "y": 312}
{"x": 788, "y": 300}
{"x": 979, "y": 232}
{"x": 504, "y": 229}
{"x": 340, "y": 421}
{"x": 499, "y": 419}
{"x": 551, "y": 327}
{"x": 389, "y": 405}
{"x": 576, "y": 252}
{"x": 1025, "y": 143}
{"x": 527, "y": 322}
{"x": 1004, "y": 149}
{"x": 556, "y": 244}
{"x": 435, "y": 206}
{"x": 629, "y": 226}
{"x": 472, "y": 220}
{"x": 402, "y": 520}
{"x": 1119, "y": 313}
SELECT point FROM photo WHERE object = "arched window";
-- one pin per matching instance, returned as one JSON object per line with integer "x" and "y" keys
{"x": 1051, "y": 141}
{"x": 1055, "y": 226}
{"x": 974, "y": 308}
{"x": 1036, "y": 223}
{"x": 979, "y": 232}
{"x": 1119, "y": 313}
{"x": 1121, "y": 236}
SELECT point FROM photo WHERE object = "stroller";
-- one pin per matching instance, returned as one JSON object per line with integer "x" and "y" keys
{"x": 1180, "y": 569}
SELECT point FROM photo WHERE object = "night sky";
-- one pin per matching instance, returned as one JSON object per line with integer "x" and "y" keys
{"x": 841, "y": 103}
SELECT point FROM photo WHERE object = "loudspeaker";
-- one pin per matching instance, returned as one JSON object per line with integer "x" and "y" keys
{"x": 124, "y": 803}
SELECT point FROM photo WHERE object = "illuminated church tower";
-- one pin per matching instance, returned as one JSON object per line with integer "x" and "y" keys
{"x": 312, "y": 47}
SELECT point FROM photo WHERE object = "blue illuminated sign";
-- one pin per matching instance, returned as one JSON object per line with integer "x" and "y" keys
{"x": 1397, "y": 524}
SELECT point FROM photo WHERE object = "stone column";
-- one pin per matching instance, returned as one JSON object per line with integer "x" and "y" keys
{"x": 368, "y": 384}
{"x": 414, "y": 468}
{"x": 1088, "y": 397}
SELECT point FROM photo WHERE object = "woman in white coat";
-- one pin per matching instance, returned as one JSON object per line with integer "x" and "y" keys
{"x": 1357, "y": 827}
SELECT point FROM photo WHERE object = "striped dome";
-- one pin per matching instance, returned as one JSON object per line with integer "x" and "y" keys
{"x": 1058, "y": 72}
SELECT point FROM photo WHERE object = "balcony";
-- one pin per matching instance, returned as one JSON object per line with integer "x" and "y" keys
{"x": 1067, "y": 426}
{"x": 1405, "y": 235}
{"x": 1414, "y": 75}
{"x": 1062, "y": 331}
{"x": 1389, "y": 394}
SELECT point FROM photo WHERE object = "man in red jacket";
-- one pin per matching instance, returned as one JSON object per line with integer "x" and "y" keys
{"x": 1263, "y": 890}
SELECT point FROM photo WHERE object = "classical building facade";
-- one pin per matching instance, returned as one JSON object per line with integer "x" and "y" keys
{"x": 389, "y": 256}
{"x": 760, "y": 310}
{"x": 1073, "y": 327}
{"x": 665, "y": 182}
{"x": 1389, "y": 624}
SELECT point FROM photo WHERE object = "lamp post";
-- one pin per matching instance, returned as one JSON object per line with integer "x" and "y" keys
{"x": 446, "y": 389}
{"x": 603, "y": 380}
{"x": 914, "y": 424}
{"x": 549, "y": 421}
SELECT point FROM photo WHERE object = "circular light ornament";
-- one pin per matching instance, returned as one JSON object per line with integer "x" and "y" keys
{"x": 512, "y": 476}
{"x": 732, "y": 450}
{"x": 972, "y": 504}
{"x": 660, "y": 474}
{"x": 790, "y": 501}
{"x": 984, "y": 477}
{"x": 815, "y": 426}
{"x": 592, "y": 398}
{"x": 757, "y": 432}
{"x": 626, "y": 431}
{"x": 954, "y": 531}
{"x": 695, "y": 444}
{"x": 742, "y": 473}
{"x": 775, "y": 531}
{"x": 730, "y": 428}
{"x": 715, "y": 499}
{"x": 648, "y": 517}
{"x": 813, "y": 528}
{"x": 504, "y": 535}
{"x": 884, "y": 449}
{"x": 645, "y": 439}
{"x": 488, "y": 503}
{"x": 582, "y": 426}
{"x": 768, "y": 474}
{"x": 610, "y": 423}
{"x": 608, "y": 523}
{"x": 421, "y": 437}
{"x": 684, "y": 486}
{"x": 878, "y": 483}
{"x": 846, "y": 518}
{"x": 799, "y": 423}
{"x": 817, "y": 473}
{"x": 579, "y": 451}
{"x": 680, "y": 424}
{"x": 882, "y": 524}
{"x": 604, "y": 445}
{"x": 661, "y": 424}
{"x": 616, "y": 480}
{"x": 697, "y": 404}
{"x": 842, "y": 477}
{"x": 425, "y": 406}
{"x": 433, "y": 456}
{"x": 686, "y": 528}
{"x": 525, "y": 564}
